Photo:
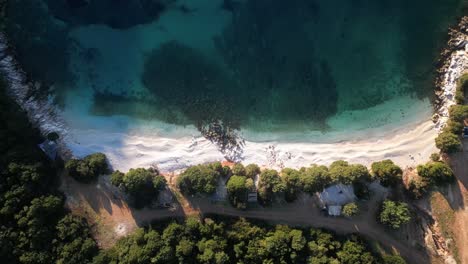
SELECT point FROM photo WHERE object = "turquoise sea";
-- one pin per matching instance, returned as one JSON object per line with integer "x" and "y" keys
{"x": 268, "y": 67}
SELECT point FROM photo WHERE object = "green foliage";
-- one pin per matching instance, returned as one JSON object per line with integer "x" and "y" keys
{"x": 315, "y": 178}
{"x": 87, "y": 169}
{"x": 73, "y": 244}
{"x": 238, "y": 190}
{"x": 393, "y": 259}
{"x": 116, "y": 178}
{"x": 292, "y": 182}
{"x": 448, "y": 142}
{"x": 343, "y": 172}
{"x": 394, "y": 214}
{"x": 350, "y": 209}
{"x": 436, "y": 173}
{"x": 200, "y": 179}
{"x": 387, "y": 172}
{"x": 418, "y": 187}
{"x": 239, "y": 170}
{"x": 29, "y": 209}
{"x": 252, "y": 170}
{"x": 270, "y": 186}
{"x": 233, "y": 241}
{"x": 435, "y": 157}
{"x": 354, "y": 253}
{"x": 462, "y": 86}
{"x": 53, "y": 136}
{"x": 143, "y": 185}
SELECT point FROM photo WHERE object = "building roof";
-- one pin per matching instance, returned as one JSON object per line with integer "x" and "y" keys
{"x": 338, "y": 194}
{"x": 334, "y": 210}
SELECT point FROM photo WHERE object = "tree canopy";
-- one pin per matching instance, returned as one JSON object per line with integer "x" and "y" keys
{"x": 394, "y": 214}
{"x": 202, "y": 179}
{"x": 87, "y": 169}
{"x": 270, "y": 186}
{"x": 436, "y": 173}
{"x": 33, "y": 225}
{"x": 387, "y": 172}
{"x": 343, "y": 172}
{"x": 238, "y": 191}
{"x": 235, "y": 241}
{"x": 143, "y": 185}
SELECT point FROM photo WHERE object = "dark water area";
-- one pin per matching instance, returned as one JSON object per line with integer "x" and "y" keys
{"x": 261, "y": 64}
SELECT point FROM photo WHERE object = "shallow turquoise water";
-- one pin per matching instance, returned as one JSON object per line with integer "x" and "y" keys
{"x": 265, "y": 65}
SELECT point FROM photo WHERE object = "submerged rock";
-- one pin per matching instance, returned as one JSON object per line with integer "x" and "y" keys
{"x": 117, "y": 14}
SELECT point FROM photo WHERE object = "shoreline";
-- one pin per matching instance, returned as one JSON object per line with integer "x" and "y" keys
{"x": 407, "y": 145}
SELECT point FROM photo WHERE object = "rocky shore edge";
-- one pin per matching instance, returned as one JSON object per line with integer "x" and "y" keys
{"x": 452, "y": 63}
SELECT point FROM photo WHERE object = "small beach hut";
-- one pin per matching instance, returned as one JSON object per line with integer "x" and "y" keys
{"x": 334, "y": 197}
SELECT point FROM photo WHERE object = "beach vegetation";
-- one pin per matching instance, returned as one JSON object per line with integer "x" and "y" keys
{"x": 252, "y": 170}
{"x": 315, "y": 178}
{"x": 448, "y": 142}
{"x": 200, "y": 179}
{"x": 238, "y": 169}
{"x": 435, "y": 157}
{"x": 292, "y": 182}
{"x": 350, "y": 209}
{"x": 142, "y": 185}
{"x": 387, "y": 172}
{"x": 436, "y": 173}
{"x": 462, "y": 87}
{"x": 87, "y": 169}
{"x": 394, "y": 214}
{"x": 238, "y": 189}
{"x": 343, "y": 172}
{"x": 116, "y": 178}
{"x": 418, "y": 187}
{"x": 270, "y": 186}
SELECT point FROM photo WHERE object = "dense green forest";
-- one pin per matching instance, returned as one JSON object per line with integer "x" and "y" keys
{"x": 237, "y": 241}
{"x": 35, "y": 227}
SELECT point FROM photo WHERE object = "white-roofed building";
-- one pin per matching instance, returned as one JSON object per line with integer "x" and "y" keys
{"x": 334, "y": 197}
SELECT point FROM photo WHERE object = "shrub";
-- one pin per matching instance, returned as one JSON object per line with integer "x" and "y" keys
{"x": 269, "y": 186}
{"x": 315, "y": 178}
{"x": 448, "y": 142}
{"x": 53, "y": 136}
{"x": 343, "y": 172}
{"x": 252, "y": 170}
{"x": 292, "y": 182}
{"x": 143, "y": 185}
{"x": 436, "y": 173}
{"x": 387, "y": 172}
{"x": 435, "y": 157}
{"x": 393, "y": 259}
{"x": 117, "y": 178}
{"x": 238, "y": 190}
{"x": 238, "y": 169}
{"x": 418, "y": 188}
{"x": 394, "y": 214}
{"x": 462, "y": 86}
{"x": 87, "y": 169}
{"x": 200, "y": 179}
{"x": 350, "y": 209}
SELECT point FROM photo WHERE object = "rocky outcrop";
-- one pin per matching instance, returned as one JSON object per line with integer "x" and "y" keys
{"x": 452, "y": 64}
